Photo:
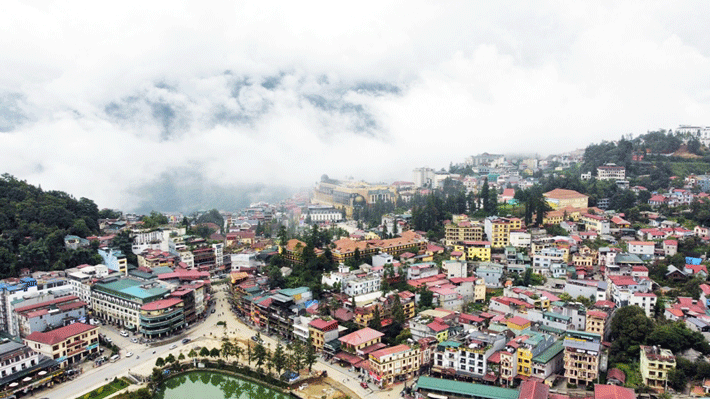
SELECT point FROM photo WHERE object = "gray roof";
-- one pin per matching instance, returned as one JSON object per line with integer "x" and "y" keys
{"x": 585, "y": 345}
{"x": 8, "y": 347}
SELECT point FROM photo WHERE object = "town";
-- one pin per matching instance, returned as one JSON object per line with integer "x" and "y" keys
{"x": 577, "y": 275}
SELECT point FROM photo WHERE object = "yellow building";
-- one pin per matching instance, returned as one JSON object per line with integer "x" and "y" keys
{"x": 322, "y": 331}
{"x": 408, "y": 241}
{"x": 388, "y": 365}
{"x": 655, "y": 364}
{"x": 582, "y": 352}
{"x": 360, "y": 339}
{"x": 479, "y": 290}
{"x": 498, "y": 231}
{"x": 525, "y": 361}
{"x": 596, "y": 322}
{"x": 67, "y": 345}
{"x": 517, "y": 324}
{"x": 349, "y": 194}
{"x": 596, "y": 223}
{"x": 480, "y": 250}
{"x": 561, "y": 198}
{"x": 463, "y": 231}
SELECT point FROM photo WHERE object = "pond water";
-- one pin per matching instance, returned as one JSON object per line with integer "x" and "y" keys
{"x": 210, "y": 385}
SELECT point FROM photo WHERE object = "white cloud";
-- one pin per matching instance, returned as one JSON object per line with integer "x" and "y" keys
{"x": 282, "y": 92}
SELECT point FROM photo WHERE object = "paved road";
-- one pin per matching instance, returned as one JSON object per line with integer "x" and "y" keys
{"x": 206, "y": 333}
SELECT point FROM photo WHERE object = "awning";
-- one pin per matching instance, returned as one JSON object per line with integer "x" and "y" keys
{"x": 348, "y": 358}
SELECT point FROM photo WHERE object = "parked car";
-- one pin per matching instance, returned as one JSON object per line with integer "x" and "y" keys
{"x": 185, "y": 340}
{"x": 129, "y": 354}
{"x": 173, "y": 346}
{"x": 364, "y": 385}
{"x": 124, "y": 333}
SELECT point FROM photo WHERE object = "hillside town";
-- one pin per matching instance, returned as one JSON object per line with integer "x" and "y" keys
{"x": 500, "y": 290}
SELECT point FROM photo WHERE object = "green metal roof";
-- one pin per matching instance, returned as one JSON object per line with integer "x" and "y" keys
{"x": 551, "y": 329}
{"x": 557, "y": 316}
{"x": 294, "y": 291}
{"x": 549, "y": 353}
{"x": 465, "y": 388}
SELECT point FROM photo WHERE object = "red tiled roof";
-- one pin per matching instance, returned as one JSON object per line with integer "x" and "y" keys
{"x": 388, "y": 351}
{"x": 437, "y": 326}
{"x": 597, "y": 313}
{"x": 518, "y": 321}
{"x": 60, "y": 334}
{"x": 533, "y": 390}
{"x": 63, "y": 299}
{"x": 161, "y": 304}
{"x": 322, "y": 324}
{"x": 602, "y": 391}
{"x": 361, "y": 336}
{"x": 616, "y": 374}
{"x": 494, "y": 358}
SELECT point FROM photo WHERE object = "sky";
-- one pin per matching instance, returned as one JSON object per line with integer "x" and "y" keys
{"x": 186, "y": 105}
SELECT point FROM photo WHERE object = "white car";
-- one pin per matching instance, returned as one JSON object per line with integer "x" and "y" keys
{"x": 129, "y": 354}
{"x": 173, "y": 346}
{"x": 124, "y": 333}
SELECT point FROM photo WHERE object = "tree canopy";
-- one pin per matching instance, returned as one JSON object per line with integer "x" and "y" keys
{"x": 33, "y": 224}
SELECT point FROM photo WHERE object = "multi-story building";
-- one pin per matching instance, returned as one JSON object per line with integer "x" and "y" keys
{"x": 356, "y": 341}
{"x": 50, "y": 314}
{"x": 162, "y": 317}
{"x": 644, "y": 300}
{"x": 82, "y": 278}
{"x": 118, "y": 301}
{"x": 467, "y": 358}
{"x": 655, "y": 364}
{"x": 422, "y": 270}
{"x": 362, "y": 285}
{"x": 114, "y": 259}
{"x": 611, "y": 171}
{"x": 151, "y": 258}
{"x": 322, "y": 331}
{"x": 463, "y": 231}
{"x": 498, "y": 230}
{"x": 545, "y": 258}
{"x": 596, "y": 322}
{"x": 324, "y": 213}
{"x": 397, "y": 363}
{"x": 475, "y": 250}
{"x": 282, "y": 307}
{"x": 562, "y": 198}
{"x": 24, "y": 291}
{"x": 66, "y": 345}
{"x": 351, "y": 194}
{"x": 17, "y": 361}
{"x": 598, "y": 223}
{"x": 520, "y": 239}
{"x": 642, "y": 248}
{"x": 408, "y": 241}
{"x": 582, "y": 353}
{"x": 549, "y": 362}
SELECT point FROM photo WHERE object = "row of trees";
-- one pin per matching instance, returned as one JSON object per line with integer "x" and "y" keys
{"x": 293, "y": 356}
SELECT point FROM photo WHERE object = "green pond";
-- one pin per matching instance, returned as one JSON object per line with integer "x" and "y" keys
{"x": 211, "y": 385}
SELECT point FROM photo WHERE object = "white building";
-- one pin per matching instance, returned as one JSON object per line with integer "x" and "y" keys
{"x": 520, "y": 239}
{"x": 646, "y": 301}
{"x": 423, "y": 177}
{"x": 17, "y": 357}
{"x": 422, "y": 270}
{"x": 362, "y": 285}
{"x": 641, "y": 247}
{"x": 611, "y": 171}
{"x": 324, "y": 213}
{"x": 454, "y": 268}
